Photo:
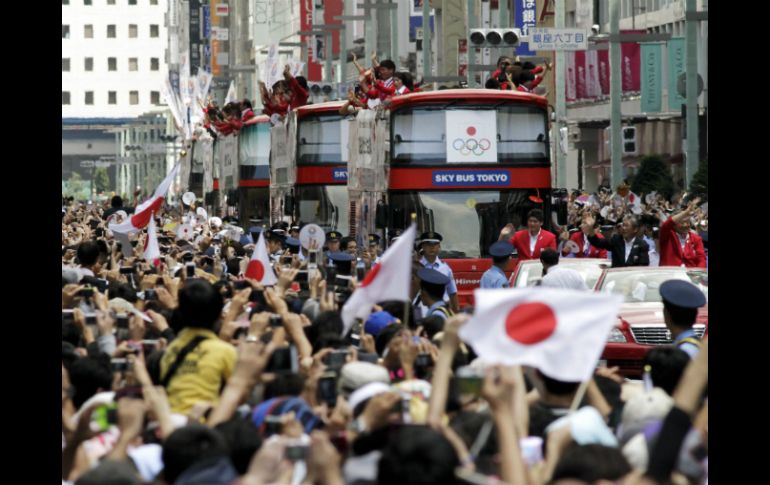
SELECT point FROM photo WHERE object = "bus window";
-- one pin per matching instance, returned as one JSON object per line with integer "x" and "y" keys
{"x": 522, "y": 134}
{"x": 319, "y": 140}
{"x": 418, "y": 136}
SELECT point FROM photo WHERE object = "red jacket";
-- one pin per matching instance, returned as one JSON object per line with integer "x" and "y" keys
{"x": 300, "y": 95}
{"x": 247, "y": 114}
{"x": 671, "y": 252}
{"x": 593, "y": 251}
{"x": 520, "y": 241}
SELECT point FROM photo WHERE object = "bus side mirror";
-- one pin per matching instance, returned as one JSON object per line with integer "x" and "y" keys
{"x": 288, "y": 204}
{"x": 381, "y": 217}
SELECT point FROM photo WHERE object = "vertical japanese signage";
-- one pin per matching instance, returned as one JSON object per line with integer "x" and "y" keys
{"x": 305, "y": 24}
{"x": 195, "y": 34}
{"x": 676, "y": 66}
{"x": 219, "y": 49}
{"x": 333, "y": 8}
{"x": 651, "y": 74}
{"x": 525, "y": 18}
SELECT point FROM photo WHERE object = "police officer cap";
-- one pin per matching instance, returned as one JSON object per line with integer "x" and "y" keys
{"x": 340, "y": 257}
{"x": 276, "y": 235}
{"x": 682, "y": 294}
{"x": 333, "y": 236}
{"x": 291, "y": 242}
{"x": 501, "y": 249}
{"x": 374, "y": 239}
{"x": 433, "y": 277}
{"x": 430, "y": 237}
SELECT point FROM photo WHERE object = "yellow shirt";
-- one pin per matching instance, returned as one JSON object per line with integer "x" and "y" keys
{"x": 203, "y": 373}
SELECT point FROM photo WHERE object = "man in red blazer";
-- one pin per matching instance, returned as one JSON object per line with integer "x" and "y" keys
{"x": 587, "y": 250}
{"x": 679, "y": 246}
{"x": 529, "y": 242}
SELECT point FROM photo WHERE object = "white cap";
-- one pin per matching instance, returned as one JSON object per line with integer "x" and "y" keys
{"x": 367, "y": 392}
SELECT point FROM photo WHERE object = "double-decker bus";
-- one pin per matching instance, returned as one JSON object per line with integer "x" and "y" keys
{"x": 308, "y": 163}
{"x": 466, "y": 162}
{"x": 235, "y": 166}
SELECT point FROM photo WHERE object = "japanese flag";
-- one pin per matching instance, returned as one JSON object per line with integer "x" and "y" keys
{"x": 259, "y": 266}
{"x": 143, "y": 212}
{"x": 561, "y": 332}
{"x": 151, "y": 249}
{"x": 390, "y": 279}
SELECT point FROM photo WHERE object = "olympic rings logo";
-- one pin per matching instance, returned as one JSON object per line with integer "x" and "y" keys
{"x": 471, "y": 145}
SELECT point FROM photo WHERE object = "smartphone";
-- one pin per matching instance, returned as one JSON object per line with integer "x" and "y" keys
{"x": 284, "y": 361}
{"x": 327, "y": 388}
{"x": 87, "y": 292}
{"x": 241, "y": 285}
{"x": 423, "y": 361}
{"x": 103, "y": 417}
{"x": 296, "y": 453}
{"x": 126, "y": 270}
{"x": 119, "y": 364}
{"x": 312, "y": 260}
{"x": 190, "y": 270}
{"x": 149, "y": 346}
{"x": 150, "y": 295}
{"x": 276, "y": 321}
{"x": 286, "y": 260}
{"x": 336, "y": 359}
{"x": 468, "y": 381}
{"x": 355, "y": 334}
{"x": 122, "y": 320}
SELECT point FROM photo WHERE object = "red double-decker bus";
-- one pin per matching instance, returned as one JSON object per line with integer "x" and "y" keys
{"x": 254, "y": 171}
{"x": 466, "y": 162}
{"x": 309, "y": 176}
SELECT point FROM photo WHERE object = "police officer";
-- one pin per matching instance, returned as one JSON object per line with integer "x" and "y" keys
{"x": 681, "y": 300}
{"x": 374, "y": 248}
{"x": 275, "y": 240}
{"x": 430, "y": 246}
{"x": 432, "y": 287}
{"x": 494, "y": 277}
{"x": 333, "y": 241}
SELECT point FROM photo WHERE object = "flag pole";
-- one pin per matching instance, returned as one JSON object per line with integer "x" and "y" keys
{"x": 408, "y": 303}
{"x": 579, "y": 395}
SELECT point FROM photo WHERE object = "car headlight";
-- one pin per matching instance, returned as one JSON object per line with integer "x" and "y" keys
{"x": 616, "y": 336}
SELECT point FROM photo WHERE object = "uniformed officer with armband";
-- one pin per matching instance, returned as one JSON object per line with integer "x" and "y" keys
{"x": 374, "y": 248}
{"x": 681, "y": 300}
{"x": 494, "y": 277}
{"x": 332, "y": 242}
{"x": 430, "y": 246}
{"x": 432, "y": 287}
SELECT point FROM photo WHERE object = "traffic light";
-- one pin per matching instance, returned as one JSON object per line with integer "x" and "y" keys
{"x": 629, "y": 140}
{"x": 323, "y": 90}
{"x": 494, "y": 38}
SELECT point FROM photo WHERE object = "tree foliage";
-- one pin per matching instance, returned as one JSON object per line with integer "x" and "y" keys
{"x": 654, "y": 175}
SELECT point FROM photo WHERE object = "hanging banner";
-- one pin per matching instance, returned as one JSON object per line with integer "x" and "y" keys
{"x": 651, "y": 74}
{"x": 305, "y": 24}
{"x": 580, "y": 75}
{"x": 630, "y": 60}
{"x": 593, "y": 89}
{"x": 676, "y": 66}
{"x": 471, "y": 136}
{"x": 570, "y": 81}
{"x": 604, "y": 71}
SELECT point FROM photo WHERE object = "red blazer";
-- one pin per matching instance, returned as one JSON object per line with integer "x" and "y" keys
{"x": 593, "y": 252}
{"x": 520, "y": 241}
{"x": 671, "y": 253}
{"x": 300, "y": 95}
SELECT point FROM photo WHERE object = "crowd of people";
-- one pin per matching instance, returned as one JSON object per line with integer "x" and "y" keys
{"x": 183, "y": 371}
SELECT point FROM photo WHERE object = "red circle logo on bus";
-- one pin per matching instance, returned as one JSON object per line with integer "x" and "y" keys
{"x": 471, "y": 130}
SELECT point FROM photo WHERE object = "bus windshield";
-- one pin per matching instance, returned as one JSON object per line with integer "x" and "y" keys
{"x": 429, "y": 135}
{"x": 319, "y": 139}
{"x": 325, "y": 205}
{"x": 468, "y": 221}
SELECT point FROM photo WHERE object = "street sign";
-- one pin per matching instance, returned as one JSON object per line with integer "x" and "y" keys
{"x": 681, "y": 85}
{"x": 220, "y": 33}
{"x": 547, "y": 39}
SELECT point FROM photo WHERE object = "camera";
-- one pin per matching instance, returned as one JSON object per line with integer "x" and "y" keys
{"x": 296, "y": 453}
{"x": 122, "y": 320}
{"x": 276, "y": 321}
{"x": 327, "y": 388}
{"x": 86, "y": 292}
{"x": 126, "y": 270}
{"x": 336, "y": 359}
{"x": 468, "y": 381}
{"x": 284, "y": 361}
{"x": 119, "y": 364}
{"x": 150, "y": 295}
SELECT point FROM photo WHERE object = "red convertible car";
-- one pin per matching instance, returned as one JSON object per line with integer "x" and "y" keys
{"x": 641, "y": 325}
